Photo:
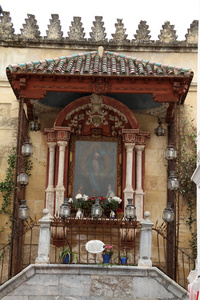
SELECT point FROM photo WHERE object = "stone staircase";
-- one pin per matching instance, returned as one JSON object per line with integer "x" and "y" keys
{"x": 91, "y": 282}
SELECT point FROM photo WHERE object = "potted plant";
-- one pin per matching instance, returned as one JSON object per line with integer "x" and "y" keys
{"x": 81, "y": 203}
{"x": 119, "y": 213}
{"x": 114, "y": 203}
{"x": 123, "y": 256}
{"x": 66, "y": 255}
{"x": 107, "y": 253}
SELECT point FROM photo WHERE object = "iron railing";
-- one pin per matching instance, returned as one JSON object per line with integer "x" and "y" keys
{"x": 75, "y": 233}
{"x": 28, "y": 253}
{"x": 183, "y": 263}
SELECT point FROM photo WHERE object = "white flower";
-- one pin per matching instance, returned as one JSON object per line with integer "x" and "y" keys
{"x": 117, "y": 199}
{"x": 85, "y": 197}
{"x": 79, "y": 196}
{"x": 70, "y": 200}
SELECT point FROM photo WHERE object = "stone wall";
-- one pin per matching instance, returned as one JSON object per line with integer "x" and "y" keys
{"x": 78, "y": 282}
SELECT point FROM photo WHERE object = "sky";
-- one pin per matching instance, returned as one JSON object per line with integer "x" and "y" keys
{"x": 180, "y": 13}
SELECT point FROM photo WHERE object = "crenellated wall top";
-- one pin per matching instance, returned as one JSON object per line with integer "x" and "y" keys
{"x": 30, "y": 35}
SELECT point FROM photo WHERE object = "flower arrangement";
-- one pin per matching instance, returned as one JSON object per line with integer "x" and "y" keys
{"x": 114, "y": 202}
{"x": 81, "y": 201}
{"x": 108, "y": 249}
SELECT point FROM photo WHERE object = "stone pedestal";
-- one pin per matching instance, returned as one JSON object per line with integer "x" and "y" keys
{"x": 145, "y": 242}
{"x": 44, "y": 239}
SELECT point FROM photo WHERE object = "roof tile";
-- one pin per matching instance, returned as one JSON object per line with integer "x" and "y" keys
{"x": 90, "y": 63}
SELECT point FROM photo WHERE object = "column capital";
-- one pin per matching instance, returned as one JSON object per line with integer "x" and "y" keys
{"x": 62, "y": 143}
{"x": 139, "y": 148}
{"x": 129, "y": 146}
{"x": 51, "y": 144}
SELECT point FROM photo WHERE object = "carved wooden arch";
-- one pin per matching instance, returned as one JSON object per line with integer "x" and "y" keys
{"x": 93, "y": 112}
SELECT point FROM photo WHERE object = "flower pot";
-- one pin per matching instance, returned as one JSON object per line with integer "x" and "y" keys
{"x": 66, "y": 260}
{"x": 123, "y": 260}
{"x": 119, "y": 215}
{"x": 106, "y": 258}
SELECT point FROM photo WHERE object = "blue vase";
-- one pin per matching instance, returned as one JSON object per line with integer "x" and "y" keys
{"x": 123, "y": 260}
{"x": 66, "y": 260}
{"x": 106, "y": 258}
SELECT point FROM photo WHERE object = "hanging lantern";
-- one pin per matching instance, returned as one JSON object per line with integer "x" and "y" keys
{"x": 159, "y": 131}
{"x": 27, "y": 148}
{"x": 96, "y": 212}
{"x": 168, "y": 213}
{"x": 65, "y": 209}
{"x": 172, "y": 182}
{"x": 24, "y": 211}
{"x": 130, "y": 210}
{"x": 34, "y": 125}
{"x": 22, "y": 178}
{"x": 170, "y": 153}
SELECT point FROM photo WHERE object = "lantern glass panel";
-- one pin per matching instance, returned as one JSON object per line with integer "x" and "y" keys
{"x": 96, "y": 210}
{"x": 170, "y": 153}
{"x": 130, "y": 210}
{"x": 65, "y": 209}
{"x": 168, "y": 214}
{"x": 27, "y": 149}
{"x": 24, "y": 212}
{"x": 22, "y": 178}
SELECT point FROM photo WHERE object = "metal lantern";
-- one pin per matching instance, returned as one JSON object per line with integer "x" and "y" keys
{"x": 130, "y": 210}
{"x": 172, "y": 182}
{"x": 34, "y": 125}
{"x": 170, "y": 153}
{"x": 65, "y": 209}
{"x": 22, "y": 178}
{"x": 27, "y": 148}
{"x": 24, "y": 211}
{"x": 159, "y": 131}
{"x": 96, "y": 209}
{"x": 168, "y": 213}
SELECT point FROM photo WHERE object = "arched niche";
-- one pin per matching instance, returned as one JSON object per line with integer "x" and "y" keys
{"x": 95, "y": 143}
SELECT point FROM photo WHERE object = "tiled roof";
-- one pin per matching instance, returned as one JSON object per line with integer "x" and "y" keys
{"x": 91, "y": 63}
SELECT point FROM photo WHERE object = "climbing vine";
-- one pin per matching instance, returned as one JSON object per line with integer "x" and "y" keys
{"x": 8, "y": 184}
{"x": 7, "y": 187}
{"x": 186, "y": 164}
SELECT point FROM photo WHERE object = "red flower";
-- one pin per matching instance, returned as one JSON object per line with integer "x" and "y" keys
{"x": 119, "y": 210}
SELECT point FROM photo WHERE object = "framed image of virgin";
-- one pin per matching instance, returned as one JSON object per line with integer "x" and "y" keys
{"x": 94, "y": 167}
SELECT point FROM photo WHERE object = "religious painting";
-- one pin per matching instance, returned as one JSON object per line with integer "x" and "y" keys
{"x": 95, "y": 168}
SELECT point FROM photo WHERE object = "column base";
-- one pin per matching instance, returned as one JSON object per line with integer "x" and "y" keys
{"x": 42, "y": 260}
{"x": 128, "y": 194}
{"x": 60, "y": 191}
{"x": 139, "y": 204}
{"x": 50, "y": 200}
{"x": 147, "y": 263}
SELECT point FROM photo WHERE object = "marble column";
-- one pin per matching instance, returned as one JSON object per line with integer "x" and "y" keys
{"x": 60, "y": 189}
{"x": 128, "y": 191}
{"x": 50, "y": 188}
{"x": 139, "y": 193}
